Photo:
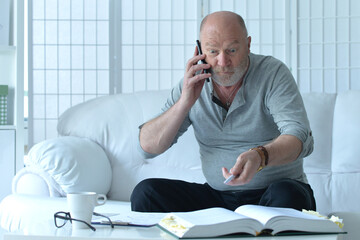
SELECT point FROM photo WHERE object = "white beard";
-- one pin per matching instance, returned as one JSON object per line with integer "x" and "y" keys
{"x": 227, "y": 81}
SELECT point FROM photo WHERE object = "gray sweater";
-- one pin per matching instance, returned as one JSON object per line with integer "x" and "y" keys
{"x": 267, "y": 105}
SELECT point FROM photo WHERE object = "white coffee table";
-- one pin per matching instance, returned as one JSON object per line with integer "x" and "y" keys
{"x": 130, "y": 233}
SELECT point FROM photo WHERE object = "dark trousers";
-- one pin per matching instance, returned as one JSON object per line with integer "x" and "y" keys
{"x": 165, "y": 195}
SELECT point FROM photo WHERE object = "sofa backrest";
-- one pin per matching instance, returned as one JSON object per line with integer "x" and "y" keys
{"x": 333, "y": 169}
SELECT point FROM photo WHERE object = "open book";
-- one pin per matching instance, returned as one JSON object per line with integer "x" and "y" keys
{"x": 251, "y": 219}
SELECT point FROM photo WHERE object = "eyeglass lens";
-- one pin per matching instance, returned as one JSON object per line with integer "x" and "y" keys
{"x": 61, "y": 218}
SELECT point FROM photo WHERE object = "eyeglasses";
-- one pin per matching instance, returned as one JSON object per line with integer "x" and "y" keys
{"x": 60, "y": 219}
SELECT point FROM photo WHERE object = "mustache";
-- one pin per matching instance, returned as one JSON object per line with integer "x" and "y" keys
{"x": 221, "y": 69}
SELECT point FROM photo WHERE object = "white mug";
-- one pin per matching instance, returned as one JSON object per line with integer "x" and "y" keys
{"x": 81, "y": 206}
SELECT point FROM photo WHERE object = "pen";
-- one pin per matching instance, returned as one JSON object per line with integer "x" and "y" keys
{"x": 229, "y": 179}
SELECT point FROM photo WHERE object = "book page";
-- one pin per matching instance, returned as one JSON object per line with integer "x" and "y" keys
{"x": 210, "y": 216}
{"x": 287, "y": 219}
{"x": 209, "y": 222}
{"x": 264, "y": 214}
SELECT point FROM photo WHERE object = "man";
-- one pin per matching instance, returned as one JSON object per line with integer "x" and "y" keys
{"x": 252, "y": 102}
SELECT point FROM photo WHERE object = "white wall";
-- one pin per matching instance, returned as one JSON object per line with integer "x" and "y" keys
{"x": 328, "y": 45}
{"x": 159, "y": 37}
{"x": 69, "y": 49}
{"x": 156, "y": 39}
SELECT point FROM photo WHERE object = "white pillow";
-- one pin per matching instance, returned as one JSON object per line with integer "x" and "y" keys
{"x": 75, "y": 164}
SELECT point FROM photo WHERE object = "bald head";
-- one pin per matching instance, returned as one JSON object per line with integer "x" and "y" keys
{"x": 223, "y": 19}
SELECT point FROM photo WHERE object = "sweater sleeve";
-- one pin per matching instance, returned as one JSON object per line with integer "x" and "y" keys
{"x": 172, "y": 99}
{"x": 287, "y": 108}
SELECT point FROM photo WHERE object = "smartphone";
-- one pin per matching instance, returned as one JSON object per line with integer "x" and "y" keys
{"x": 203, "y": 60}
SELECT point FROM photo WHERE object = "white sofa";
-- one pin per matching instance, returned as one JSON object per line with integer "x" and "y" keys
{"x": 97, "y": 151}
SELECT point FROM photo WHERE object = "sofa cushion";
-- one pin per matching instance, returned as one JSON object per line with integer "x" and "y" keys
{"x": 346, "y": 133}
{"x": 317, "y": 166}
{"x": 346, "y": 152}
{"x": 321, "y": 123}
{"x": 66, "y": 164}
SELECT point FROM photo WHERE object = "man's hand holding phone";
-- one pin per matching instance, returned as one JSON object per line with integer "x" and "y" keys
{"x": 194, "y": 78}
